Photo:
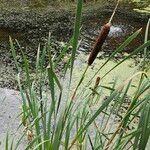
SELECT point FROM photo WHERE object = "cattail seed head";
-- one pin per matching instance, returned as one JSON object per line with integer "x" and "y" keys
{"x": 99, "y": 42}
{"x": 97, "y": 82}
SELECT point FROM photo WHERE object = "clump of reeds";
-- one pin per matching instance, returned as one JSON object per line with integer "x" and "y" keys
{"x": 58, "y": 125}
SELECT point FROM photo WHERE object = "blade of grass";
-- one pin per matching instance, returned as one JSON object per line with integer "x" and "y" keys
{"x": 52, "y": 107}
{"x": 12, "y": 143}
{"x": 145, "y": 122}
{"x": 14, "y": 53}
{"x": 37, "y": 60}
{"x": 76, "y": 33}
{"x": 6, "y": 142}
{"x": 146, "y": 36}
{"x": 90, "y": 140}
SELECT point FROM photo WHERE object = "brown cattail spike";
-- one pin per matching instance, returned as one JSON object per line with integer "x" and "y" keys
{"x": 99, "y": 42}
{"x": 97, "y": 82}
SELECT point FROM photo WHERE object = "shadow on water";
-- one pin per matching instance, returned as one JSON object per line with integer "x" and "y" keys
{"x": 5, "y": 33}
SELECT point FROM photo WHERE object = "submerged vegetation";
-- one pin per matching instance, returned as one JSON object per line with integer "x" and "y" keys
{"x": 55, "y": 116}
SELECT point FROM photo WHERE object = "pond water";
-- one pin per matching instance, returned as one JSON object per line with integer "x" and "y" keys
{"x": 121, "y": 28}
{"x": 5, "y": 33}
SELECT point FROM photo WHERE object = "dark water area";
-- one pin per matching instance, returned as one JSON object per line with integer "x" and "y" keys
{"x": 5, "y": 33}
{"x": 120, "y": 30}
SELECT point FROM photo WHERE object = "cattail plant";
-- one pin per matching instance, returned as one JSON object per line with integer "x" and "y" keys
{"x": 97, "y": 46}
{"x": 101, "y": 38}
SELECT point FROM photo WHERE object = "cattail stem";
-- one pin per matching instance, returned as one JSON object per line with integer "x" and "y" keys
{"x": 99, "y": 43}
{"x": 114, "y": 12}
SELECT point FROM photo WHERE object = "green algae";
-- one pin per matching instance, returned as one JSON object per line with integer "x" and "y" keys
{"x": 123, "y": 72}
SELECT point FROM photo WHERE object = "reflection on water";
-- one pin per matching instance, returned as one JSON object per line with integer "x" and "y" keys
{"x": 115, "y": 31}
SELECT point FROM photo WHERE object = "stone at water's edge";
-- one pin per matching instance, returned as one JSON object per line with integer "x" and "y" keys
{"x": 9, "y": 121}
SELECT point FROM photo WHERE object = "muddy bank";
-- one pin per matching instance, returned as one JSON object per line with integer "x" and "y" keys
{"x": 32, "y": 27}
{"x": 36, "y": 25}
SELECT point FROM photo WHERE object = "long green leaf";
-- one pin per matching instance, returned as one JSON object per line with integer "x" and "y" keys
{"x": 76, "y": 33}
